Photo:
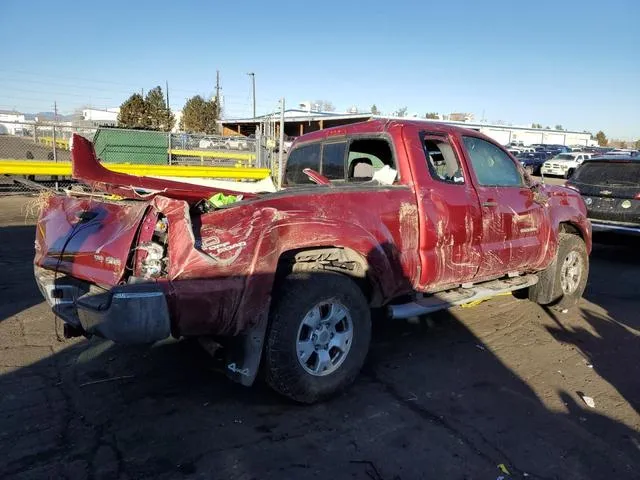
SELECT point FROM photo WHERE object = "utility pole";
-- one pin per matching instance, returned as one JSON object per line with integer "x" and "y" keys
{"x": 218, "y": 88}
{"x": 281, "y": 145}
{"x": 166, "y": 84}
{"x": 253, "y": 84}
{"x": 55, "y": 120}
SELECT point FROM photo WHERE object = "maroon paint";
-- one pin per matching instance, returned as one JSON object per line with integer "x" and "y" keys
{"x": 418, "y": 234}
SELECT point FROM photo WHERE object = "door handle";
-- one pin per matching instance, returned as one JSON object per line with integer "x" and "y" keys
{"x": 490, "y": 204}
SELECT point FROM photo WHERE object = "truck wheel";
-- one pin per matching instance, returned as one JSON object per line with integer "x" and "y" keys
{"x": 569, "y": 173}
{"x": 563, "y": 282}
{"x": 318, "y": 337}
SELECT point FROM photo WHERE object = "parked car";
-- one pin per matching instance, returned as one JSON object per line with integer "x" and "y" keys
{"x": 236, "y": 143}
{"x": 398, "y": 216}
{"x": 564, "y": 164}
{"x": 610, "y": 187}
{"x": 211, "y": 143}
{"x": 532, "y": 162}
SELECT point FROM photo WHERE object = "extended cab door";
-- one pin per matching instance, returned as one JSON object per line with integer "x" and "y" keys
{"x": 451, "y": 221}
{"x": 515, "y": 227}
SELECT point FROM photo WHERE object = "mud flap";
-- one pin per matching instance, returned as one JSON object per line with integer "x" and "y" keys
{"x": 242, "y": 353}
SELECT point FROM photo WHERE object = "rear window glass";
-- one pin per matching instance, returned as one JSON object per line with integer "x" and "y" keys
{"x": 307, "y": 156}
{"x": 604, "y": 173}
{"x": 333, "y": 160}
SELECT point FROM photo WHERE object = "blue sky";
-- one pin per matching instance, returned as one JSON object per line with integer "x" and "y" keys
{"x": 575, "y": 63}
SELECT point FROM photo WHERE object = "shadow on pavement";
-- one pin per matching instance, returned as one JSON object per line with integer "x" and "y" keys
{"x": 18, "y": 290}
{"x": 429, "y": 404}
{"x": 610, "y": 337}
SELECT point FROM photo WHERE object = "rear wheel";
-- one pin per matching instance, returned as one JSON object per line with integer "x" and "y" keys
{"x": 563, "y": 282}
{"x": 318, "y": 337}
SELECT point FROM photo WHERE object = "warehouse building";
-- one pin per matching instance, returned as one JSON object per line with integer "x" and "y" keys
{"x": 299, "y": 122}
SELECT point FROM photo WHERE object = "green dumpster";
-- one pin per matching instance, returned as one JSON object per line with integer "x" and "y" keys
{"x": 114, "y": 145}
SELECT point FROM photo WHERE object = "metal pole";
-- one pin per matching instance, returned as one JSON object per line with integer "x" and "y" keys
{"x": 55, "y": 119}
{"x": 253, "y": 86}
{"x": 218, "y": 88}
{"x": 281, "y": 146}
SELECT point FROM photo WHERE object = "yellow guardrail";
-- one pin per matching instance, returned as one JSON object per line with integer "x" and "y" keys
{"x": 60, "y": 143}
{"x": 212, "y": 154}
{"x": 34, "y": 167}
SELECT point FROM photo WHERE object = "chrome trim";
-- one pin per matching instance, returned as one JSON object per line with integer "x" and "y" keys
{"x": 609, "y": 227}
{"x": 129, "y": 296}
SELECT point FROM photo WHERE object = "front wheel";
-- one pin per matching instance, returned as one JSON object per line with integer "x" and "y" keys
{"x": 563, "y": 282}
{"x": 318, "y": 336}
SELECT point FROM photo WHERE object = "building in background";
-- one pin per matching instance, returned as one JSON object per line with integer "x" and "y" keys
{"x": 461, "y": 117}
{"x": 12, "y": 122}
{"x": 299, "y": 122}
{"x": 98, "y": 118}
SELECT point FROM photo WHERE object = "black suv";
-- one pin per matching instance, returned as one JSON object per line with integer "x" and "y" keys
{"x": 610, "y": 187}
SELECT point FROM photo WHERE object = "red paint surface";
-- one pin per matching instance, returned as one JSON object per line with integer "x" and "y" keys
{"x": 418, "y": 234}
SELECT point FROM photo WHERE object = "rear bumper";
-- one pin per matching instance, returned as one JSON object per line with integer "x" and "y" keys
{"x": 603, "y": 226}
{"x": 136, "y": 313}
{"x": 553, "y": 171}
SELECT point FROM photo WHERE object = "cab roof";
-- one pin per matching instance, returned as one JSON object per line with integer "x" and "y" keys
{"x": 381, "y": 125}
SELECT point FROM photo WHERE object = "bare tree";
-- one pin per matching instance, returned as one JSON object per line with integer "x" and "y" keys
{"x": 401, "y": 112}
{"x": 324, "y": 105}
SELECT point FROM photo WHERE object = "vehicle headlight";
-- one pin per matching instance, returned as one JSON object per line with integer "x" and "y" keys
{"x": 626, "y": 204}
{"x": 588, "y": 200}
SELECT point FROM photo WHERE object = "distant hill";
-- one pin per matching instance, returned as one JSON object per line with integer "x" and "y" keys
{"x": 48, "y": 116}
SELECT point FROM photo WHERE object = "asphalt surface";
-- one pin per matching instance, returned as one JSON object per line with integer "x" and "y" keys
{"x": 501, "y": 383}
{"x": 12, "y": 147}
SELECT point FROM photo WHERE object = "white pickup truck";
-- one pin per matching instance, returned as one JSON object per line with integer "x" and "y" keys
{"x": 564, "y": 164}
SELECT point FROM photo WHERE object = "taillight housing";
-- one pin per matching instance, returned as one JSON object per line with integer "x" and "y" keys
{"x": 637, "y": 196}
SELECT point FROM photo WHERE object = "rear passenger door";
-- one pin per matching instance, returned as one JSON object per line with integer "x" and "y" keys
{"x": 450, "y": 215}
{"x": 515, "y": 228}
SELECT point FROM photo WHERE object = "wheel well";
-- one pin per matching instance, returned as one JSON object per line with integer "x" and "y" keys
{"x": 566, "y": 227}
{"x": 335, "y": 259}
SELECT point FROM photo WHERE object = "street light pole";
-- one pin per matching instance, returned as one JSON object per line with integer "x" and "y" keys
{"x": 253, "y": 86}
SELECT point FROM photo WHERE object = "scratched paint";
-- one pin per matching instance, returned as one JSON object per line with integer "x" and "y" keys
{"x": 222, "y": 263}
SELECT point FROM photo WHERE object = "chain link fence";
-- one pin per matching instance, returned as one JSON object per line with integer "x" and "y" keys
{"x": 50, "y": 142}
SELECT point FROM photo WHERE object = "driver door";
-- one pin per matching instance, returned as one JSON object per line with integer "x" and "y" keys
{"x": 515, "y": 228}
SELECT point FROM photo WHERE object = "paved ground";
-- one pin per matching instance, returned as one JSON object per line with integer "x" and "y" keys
{"x": 495, "y": 384}
{"x": 17, "y": 147}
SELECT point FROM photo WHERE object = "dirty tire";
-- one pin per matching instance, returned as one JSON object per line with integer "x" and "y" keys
{"x": 549, "y": 285}
{"x": 296, "y": 296}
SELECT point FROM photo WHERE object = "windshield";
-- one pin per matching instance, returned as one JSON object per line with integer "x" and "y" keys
{"x": 563, "y": 156}
{"x": 608, "y": 173}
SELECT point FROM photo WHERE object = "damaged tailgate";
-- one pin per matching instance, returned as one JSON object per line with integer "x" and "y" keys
{"x": 86, "y": 239}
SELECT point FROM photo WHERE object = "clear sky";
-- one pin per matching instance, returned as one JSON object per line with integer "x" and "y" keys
{"x": 569, "y": 62}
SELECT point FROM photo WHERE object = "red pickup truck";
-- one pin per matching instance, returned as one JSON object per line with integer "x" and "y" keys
{"x": 405, "y": 217}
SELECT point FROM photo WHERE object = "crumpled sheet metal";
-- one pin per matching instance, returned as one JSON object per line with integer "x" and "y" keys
{"x": 94, "y": 249}
{"x": 87, "y": 168}
{"x": 240, "y": 247}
